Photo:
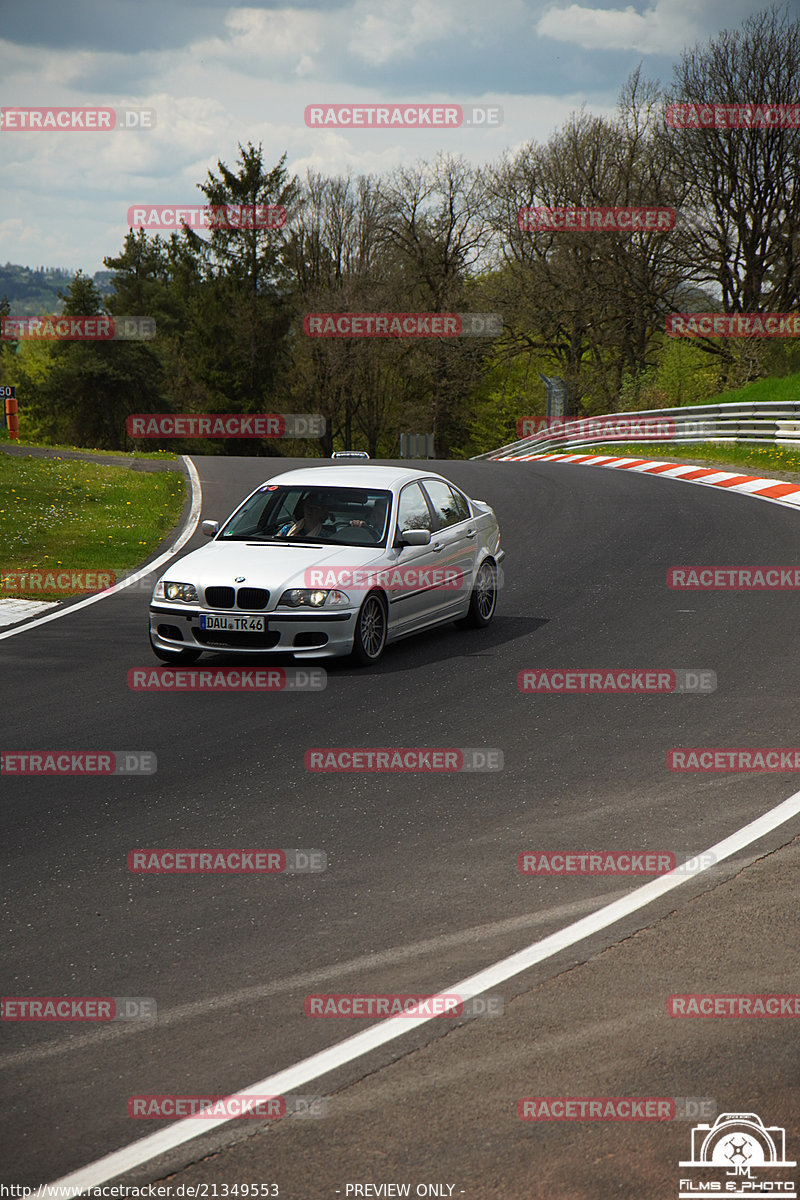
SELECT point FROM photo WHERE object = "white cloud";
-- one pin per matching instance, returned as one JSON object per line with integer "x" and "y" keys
{"x": 252, "y": 82}
{"x": 282, "y": 36}
{"x": 663, "y": 29}
{"x": 386, "y": 31}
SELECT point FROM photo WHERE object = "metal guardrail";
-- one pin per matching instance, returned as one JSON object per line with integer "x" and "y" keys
{"x": 772, "y": 422}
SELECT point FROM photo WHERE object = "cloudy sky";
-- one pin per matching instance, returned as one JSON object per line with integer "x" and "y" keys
{"x": 219, "y": 74}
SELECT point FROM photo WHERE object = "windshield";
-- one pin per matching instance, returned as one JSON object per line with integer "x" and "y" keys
{"x": 340, "y": 516}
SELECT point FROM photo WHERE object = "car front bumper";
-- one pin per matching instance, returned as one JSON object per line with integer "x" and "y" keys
{"x": 304, "y": 635}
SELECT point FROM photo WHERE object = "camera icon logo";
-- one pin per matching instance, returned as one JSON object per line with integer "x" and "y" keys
{"x": 738, "y": 1141}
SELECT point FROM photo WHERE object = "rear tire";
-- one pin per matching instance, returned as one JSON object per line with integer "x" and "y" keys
{"x": 483, "y": 598}
{"x": 184, "y": 657}
{"x": 369, "y": 639}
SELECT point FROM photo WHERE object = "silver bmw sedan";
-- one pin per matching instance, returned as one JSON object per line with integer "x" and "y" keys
{"x": 329, "y": 561}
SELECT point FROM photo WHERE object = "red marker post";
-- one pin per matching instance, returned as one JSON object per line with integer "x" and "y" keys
{"x": 9, "y": 394}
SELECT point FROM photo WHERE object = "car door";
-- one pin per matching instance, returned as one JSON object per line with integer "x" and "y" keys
{"x": 411, "y": 597}
{"x": 456, "y": 541}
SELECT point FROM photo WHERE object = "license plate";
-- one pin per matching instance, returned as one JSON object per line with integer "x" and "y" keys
{"x": 223, "y": 621}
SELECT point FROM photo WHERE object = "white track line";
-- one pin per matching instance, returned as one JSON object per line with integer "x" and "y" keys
{"x": 288, "y": 1080}
{"x": 183, "y": 538}
{"x": 756, "y": 485}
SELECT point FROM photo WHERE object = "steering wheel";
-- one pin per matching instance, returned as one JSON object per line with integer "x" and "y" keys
{"x": 358, "y": 533}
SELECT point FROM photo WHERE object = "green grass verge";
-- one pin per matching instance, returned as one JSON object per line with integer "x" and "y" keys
{"x": 755, "y": 458}
{"x": 163, "y": 455}
{"x": 64, "y": 514}
{"x": 761, "y": 390}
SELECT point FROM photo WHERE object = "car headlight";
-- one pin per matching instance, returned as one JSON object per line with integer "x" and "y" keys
{"x": 166, "y": 590}
{"x": 314, "y": 598}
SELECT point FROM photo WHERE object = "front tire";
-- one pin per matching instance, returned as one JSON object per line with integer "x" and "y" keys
{"x": 483, "y": 598}
{"x": 175, "y": 656}
{"x": 369, "y": 639}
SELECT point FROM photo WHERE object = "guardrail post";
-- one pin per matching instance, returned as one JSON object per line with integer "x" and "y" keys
{"x": 556, "y": 394}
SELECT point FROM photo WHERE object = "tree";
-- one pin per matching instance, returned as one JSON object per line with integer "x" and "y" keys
{"x": 240, "y": 329}
{"x": 744, "y": 199}
{"x": 592, "y": 301}
{"x": 434, "y": 218}
{"x": 91, "y": 387}
{"x": 339, "y": 262}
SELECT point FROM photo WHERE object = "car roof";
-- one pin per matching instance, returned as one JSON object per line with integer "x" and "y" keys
{"x": 362, "y": 476}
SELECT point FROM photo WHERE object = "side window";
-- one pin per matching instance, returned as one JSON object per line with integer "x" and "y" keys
{"x": 461, "y": 505}
{"x": 413, "y": 512}
{"x": 450, "y": 506}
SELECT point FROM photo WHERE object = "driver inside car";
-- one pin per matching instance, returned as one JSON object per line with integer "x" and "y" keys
{"x": 377, "y": 518}
{"x": 310, "y": 524}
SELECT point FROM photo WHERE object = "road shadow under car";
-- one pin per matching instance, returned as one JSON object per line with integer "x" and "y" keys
{"x": 409, "y": 654}
{"x": 444, "y": 642}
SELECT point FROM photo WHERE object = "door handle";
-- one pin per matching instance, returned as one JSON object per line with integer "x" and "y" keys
{"x": 437, "y": 548}
{"x": 470, "y": 533}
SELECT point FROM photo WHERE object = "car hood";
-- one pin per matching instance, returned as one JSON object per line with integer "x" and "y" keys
{"x": 266, "y": 564}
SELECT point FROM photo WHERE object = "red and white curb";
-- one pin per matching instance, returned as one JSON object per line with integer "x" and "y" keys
{"x": 750, "y": 485}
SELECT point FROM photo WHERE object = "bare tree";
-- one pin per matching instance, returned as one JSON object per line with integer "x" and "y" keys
{"x": 592, "y": 301}
{"x": 744, "y": 195}
{"x": 434, "y": 218}
{"x": 340, "y": 263}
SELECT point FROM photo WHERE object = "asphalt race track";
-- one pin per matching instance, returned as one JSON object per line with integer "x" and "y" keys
{"x": 421, "y": 888}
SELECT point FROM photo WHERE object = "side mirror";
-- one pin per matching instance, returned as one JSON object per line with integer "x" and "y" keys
{"x": 416, "y": 537}
{"x": 210, "y": 528}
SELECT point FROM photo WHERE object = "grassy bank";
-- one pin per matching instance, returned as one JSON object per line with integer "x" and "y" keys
{"x": 162, "y": 455}
{"x": 760, "y": 391}
{"x": 66, "y": 515}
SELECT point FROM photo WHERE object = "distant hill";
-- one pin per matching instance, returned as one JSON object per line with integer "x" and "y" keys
{"x": 33, "y": 290}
